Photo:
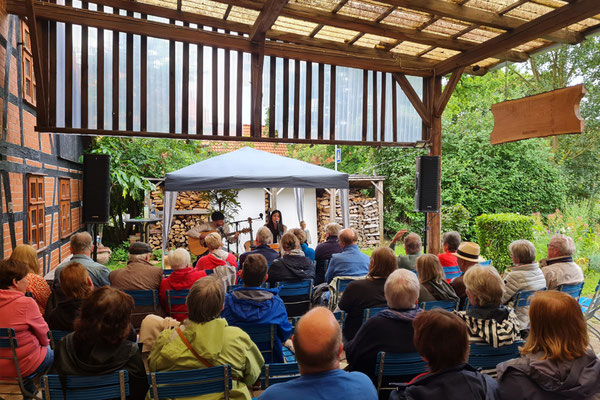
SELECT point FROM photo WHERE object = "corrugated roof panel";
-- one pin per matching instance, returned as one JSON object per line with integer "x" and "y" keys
{"x": 532, "y": 45}
{"x": 373, "y": 40}
{"x": 162, "y": 3}
{"x": 363, "y": 9}
{"x": 410, "y": 48}
{"x": 323, "y": 5}
{"x": 493, "y": 5}
{"x": 445, "y": 26}
{"x": 407, "y": 18}
{"x": 439, "y": 53}
{"x": 336, "y": 34}
{"x": 293, "y": 25}
{"x": 529, "y": 11}
{"x": 242, "y": 15}
{"x": 204, "y": 7}
{"x": 480, "y": 35}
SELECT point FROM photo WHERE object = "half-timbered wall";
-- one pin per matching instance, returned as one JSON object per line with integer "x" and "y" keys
{"x": 33, "y": 165}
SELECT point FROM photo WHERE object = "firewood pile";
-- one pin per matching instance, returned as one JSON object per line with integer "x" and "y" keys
{"x": 364, "y": 217}
{"x": 185, "y": 200}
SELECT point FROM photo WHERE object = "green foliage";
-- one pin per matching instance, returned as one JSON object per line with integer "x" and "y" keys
{"x": 224, "y": 200}
{"x": 120, "y": 253}
{"x": 456, "y": 218}
{"x": 496, "y": 231}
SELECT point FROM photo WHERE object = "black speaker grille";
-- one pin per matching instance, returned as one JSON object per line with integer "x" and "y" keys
{"x": 96, "y": 188}
{"x": 427, "y": 184}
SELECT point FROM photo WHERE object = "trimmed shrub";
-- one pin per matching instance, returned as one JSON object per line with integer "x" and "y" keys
{"x": 496, "y": 231}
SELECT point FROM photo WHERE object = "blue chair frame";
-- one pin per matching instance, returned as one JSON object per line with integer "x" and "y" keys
{"x": 590, "y": 310}
{"x": 397, "y": 364}
{"x": 573, "y": 290}
{"x": 167, "y": 272}
{"x": 263, "y": 337}
{"x": 277, "y": 373}
{"x": 446, "y": 305}
{"x": 301, "y": 291}
{"x": 483, "y": 355}
{"x": 341, "y": 285}
{"x": 195, "y": 382}
{"x": 143, "y": 298}
{"x": 8, "y": 340}
{"x": 56, "y": 336}
{"x": 175, "y": 298}
{"x": 110, "y": 386}
{"x": 451, "y": 272}
{"x": 371, "y": 312}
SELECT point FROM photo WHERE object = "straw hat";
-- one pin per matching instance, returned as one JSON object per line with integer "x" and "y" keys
{"x": 469, "y": 251}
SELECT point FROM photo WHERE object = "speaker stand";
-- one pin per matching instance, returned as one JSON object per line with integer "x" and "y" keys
{"x": 425, "y": 229}
{"x": 94, "y": 241}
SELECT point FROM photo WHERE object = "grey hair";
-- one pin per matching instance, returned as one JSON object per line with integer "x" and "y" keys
{"x": 333, "y": 229}
{"x": 264, "y": 235}
{"x": 563, "y": 243}
{"x": 452, "y": 239}
{"x": 522, "y": 249}
{"x": 412, "y": 243}
{"x": 179, "y": 259}
{"x": 401, "y": 289}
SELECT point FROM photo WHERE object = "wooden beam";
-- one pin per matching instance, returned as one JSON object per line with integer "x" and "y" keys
{"x": 226, "y": 91}
{"x": 172, "y": 66}
{"x": 185, "y": 88}
{"x": 557, "y": 19}
{"x": 37, "y": 66}
{"x": 337, "y": 8}
{"x": 365, "y": 103}
{"x": 394, "y": 112}
{"x": 332, "y": 98}
{"x": 129, "y": 80}
{"x": 413, "y": 97}
{"x": 257, "y": 60}
{"x": 272, "y": 93}
{"x": 433, "y": 219}
{"x": 441, "y": 101}
{"x": 286, "y": 98}
{"x": 265, "y": 20}
{"x": 215, "y": 91}
{"x": 143, "y": 81}
{"x": 84, "y": 73}
{"x": 321, "y": 100}
{"x": 99, "y": 81}
{"x": 200, "y": 89}
{"x": 239, "y": 94}
{"x": 308, "y": 102}
{"x": 68, "y": 106}
{"x": 115, "y": 76}
{"x": 480, "y": 17}
{"x": 296, "y": 99}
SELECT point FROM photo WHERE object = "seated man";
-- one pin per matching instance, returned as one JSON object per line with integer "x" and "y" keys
{"x": 263, "y": 239}
{"x": 450, "y": 243}
{"x": 559, "y": 268}
{"x": 318, "y": 346}
{"x": 182, "y": 277}
{"x": 412, "y": 247}
{"x": 467, "y": 255}
{"x": 351, "y": 261}
{"x": 390, "y": 330}
{"x": 254, "y": 305}
{"x": 325, "y": 250}
{"x": 301, "y": 235}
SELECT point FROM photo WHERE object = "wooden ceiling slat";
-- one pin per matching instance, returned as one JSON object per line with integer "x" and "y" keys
{"x": 267, "y": 17}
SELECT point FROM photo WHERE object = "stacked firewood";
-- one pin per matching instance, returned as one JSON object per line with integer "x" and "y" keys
{"x": 185, "y": 200}
{"x": 178, "y": 234}
{"x": 364, "y": 217}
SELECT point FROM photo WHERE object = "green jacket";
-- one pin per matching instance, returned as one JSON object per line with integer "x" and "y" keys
{"x": 216, "y": 342}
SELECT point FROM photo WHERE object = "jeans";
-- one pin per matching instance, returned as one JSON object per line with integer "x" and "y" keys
{"x": 43, "y": 367}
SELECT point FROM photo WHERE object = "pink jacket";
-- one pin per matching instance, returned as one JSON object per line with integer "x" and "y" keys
{"x": 23, "y": 315}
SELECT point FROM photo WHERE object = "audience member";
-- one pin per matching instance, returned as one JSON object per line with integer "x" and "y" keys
{"x": 99, "y": 346}
{"x": 276, "y": 226}
{"x": 182, "y": 277}
{"x": 253, "y": 305}
{"x": 467, "y": 255}
{"x": 559, "y": 268}
{"x": 22, "y": 314}
{"x": 450, "y": 243}
{"x": 431, "y": 277}
{"x": 222, "y": 263}
{"x": 367, "y": 293}
{"x": 293, "y": 265}
{"x": 390, "y": 330}
{"x": 205, "y": 340}
{"x": 487, "y": 319}
{"x": 325, "y": 250}
{"x": 443, "y": 341}
{"x": 306, "y": 232}
{"x": 524, "y": 275}
{"x": 263, "y": 239}
{"x": 351, "y": 261}
{"x": 318, "y": 345}
{"x": 308, "y": 252}
{"x": 555, "y": 361}
{"x": 37, "y": 286}
{"x": 412, "y": 248}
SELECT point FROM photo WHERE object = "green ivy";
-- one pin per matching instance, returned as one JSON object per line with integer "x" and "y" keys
{"x": 456, "y": 218}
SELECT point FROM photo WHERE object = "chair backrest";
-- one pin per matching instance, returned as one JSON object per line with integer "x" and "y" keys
{"x": 340, "y": 316}
{"x": 167, "y": 272}
{"x": 523, "y": 298}
{"x": 451, "y": 272}
{"x": 144, "y": 297}
{"x": 326, "y": 265}
{"x": 175, "y": 298}
{"x": 573, "y": 290}
{"x": 195, "y": 382}
{"x": 277, "y": 373}
{"x": 296, "y": 296}
{"x": 231, "y": 287}
{"x": 397, "y": 364}
{"x": 8, "y": 340}
{"x": 263, "y": 337}
{"x": 341, "y": 285}
{"x": 110, "y": 386}
{"x": 446, "y": 305}
{"x": 487, "y": 356}
{"x": 371, "y": 312}
{"x": 55, "y": 336}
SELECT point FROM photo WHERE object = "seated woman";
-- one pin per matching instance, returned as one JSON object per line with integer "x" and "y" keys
{"x": 23, "y": 315}
{"x": 222, "y": 263}
{"x": 293, "y": 265}
{"x": 487, "y": 319}
{"x": 431, "y": 277}
{"x": 442, "y": 340}
{"x": 98, "y": 345}
{"x": 37, "y": 285}
{"x": 555, "y": 361}
{"x": 367, "y": 293}
{"x": 301, "y": 235}
{"x": 524, "y": 275}
{"x": 205, "y": 340}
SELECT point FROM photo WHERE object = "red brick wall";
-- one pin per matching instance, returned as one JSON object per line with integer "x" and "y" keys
{"x": 24, "y": 151}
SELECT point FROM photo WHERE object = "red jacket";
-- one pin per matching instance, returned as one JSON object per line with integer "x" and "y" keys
{"x": 448, "y": 259}
{"x": 209, "y": 261}
{"x": 178, "y": 280}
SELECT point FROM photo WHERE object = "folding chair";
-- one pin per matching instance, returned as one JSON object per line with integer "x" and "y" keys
{"x": 485, "y": 356}
{"x": 340, "y": 316}
{"x": 195, "y": 382}
{"x": 263, "y": 337}
{"x": 446, "y": 305}
{"x": 143, "y": 298}
{"x": 341, "y": 285}
{"x": 8, "y": 340}
{"x": 523, "y": 298}
{"x": 451, "y": 272}
{"x": 296, "y": 296}
{"x": 591, "y": 307}
{"x": 175, "y": 298}
{"x": 371, "y": 312}
{"x": 55, "y": 336}
{"x": 394, "y": 365}
{"x": 573, "y": 290}
{"x": 100, "y": 387}
{"x": 167, "y": 272}
{"x": 278, "y": 373}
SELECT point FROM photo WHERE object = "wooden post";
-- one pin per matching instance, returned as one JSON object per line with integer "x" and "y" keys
{"x": 379, "y": 197}
{"x": 434, "y": 220}
{"x": 257, "y": 59}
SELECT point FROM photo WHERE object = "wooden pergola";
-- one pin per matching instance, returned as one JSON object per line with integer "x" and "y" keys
{"x": 391, "y": 38}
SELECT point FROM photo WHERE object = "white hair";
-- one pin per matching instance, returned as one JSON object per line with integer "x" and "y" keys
{"x": 264, "y": 235}
{"x": 523, "y": 250}
{"x": 179, "y": 259}
{"x": 333, "y": 229}
{"x": 401, "y": 289}
{"x": 564, "y": 244}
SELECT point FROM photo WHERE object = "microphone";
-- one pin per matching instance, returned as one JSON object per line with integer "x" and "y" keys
{"x": 260, "y": 216}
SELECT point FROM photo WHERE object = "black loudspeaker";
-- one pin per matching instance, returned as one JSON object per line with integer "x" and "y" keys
{"x": 427, "y": 184}
{"x": 96, "y": 188}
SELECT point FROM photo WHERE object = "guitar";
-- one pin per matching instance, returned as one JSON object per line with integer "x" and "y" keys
{"x": 198, "y": 246}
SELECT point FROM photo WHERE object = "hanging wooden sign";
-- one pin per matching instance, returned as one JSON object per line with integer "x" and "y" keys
{"x": 546, "y": 114}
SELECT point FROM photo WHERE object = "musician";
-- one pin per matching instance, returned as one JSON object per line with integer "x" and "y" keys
{"x": 276, "y": 226}
{"x": 217, "y": 223}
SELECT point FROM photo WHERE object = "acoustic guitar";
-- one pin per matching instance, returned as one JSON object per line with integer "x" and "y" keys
{"x": 198, "y": 246}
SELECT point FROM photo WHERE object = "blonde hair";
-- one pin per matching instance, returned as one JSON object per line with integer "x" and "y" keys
{"x": 429, "y": 268}
{"x": 289, "y": 241}
{"x": 299, "y": 234}
{"x": 213, "y": 241}
{"x": 383, "y": 262}
{"x": 74, "y": 281}
{"x": 401, "y": 289}
{"x": 523, "y": 250}
{"x": 558, "y": 328}
{"x": 486, "y": 284}
{"x": 28, "y": 255}
{"x": 179, "y": 259}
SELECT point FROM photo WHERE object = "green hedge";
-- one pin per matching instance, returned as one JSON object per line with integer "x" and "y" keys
{"x": 496, "y": 231}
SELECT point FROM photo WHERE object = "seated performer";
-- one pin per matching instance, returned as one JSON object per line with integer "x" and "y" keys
{"x": 276, "y": 226}
{"x": 216, "y": 224}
